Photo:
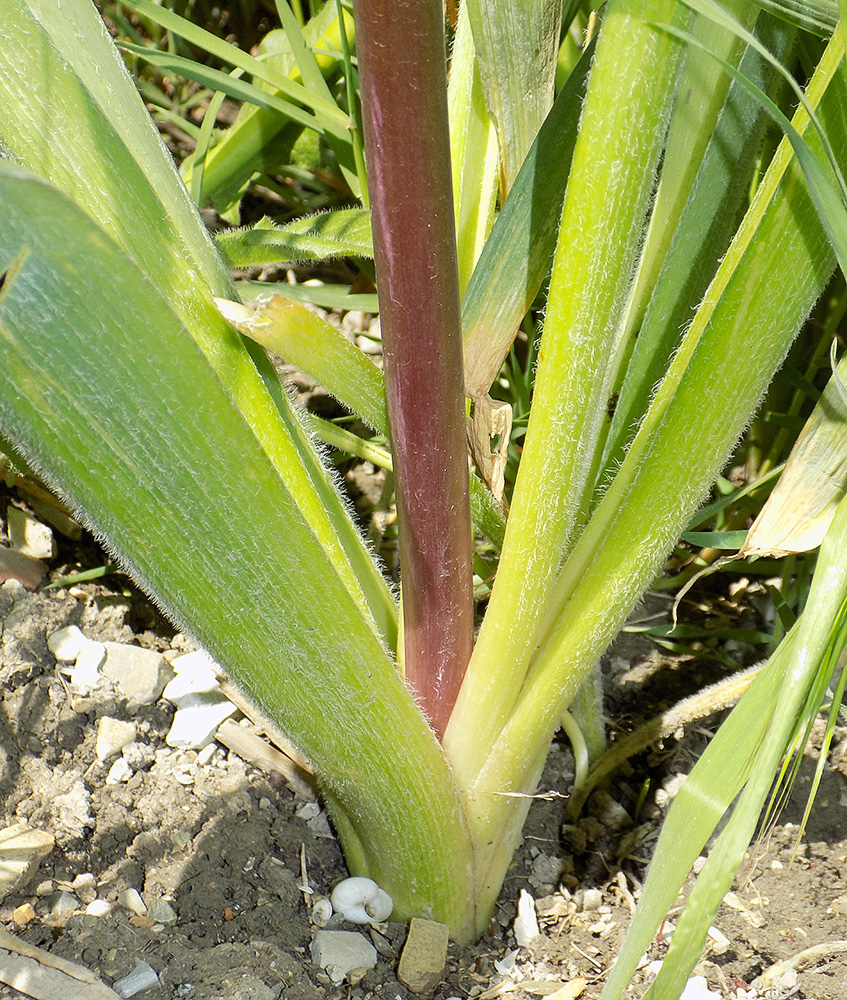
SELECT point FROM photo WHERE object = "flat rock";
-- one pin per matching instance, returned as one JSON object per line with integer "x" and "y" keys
{"x": 140, "y": 674}
{"x": 28, "y": 535}
{"x": 424, "y": 955}
{"x": 66, "y": 643}
{"x": 85, "y": 676}
{"x": 58, "y": 518}
{"x": 342, "y": 952}
{"x": 526, "y": 922}
{"x": 112, "y": 736}
{"x": 119, "y": 772}
{"x": 21, "y": 849}
{"x": 29, "y": 572}
{"x": 201, "y": 705}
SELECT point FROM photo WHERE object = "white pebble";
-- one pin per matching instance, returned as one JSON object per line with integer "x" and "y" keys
{"x": 99, "y": 908}
{"x": 86, "y": 672}
{"x": 526, "y": 922}
{"x": 66, "y": 643}
{"x": 140, "y": 674}
{"x": 697, "y": 989}
{"x": 162, "y": 912}
{"x": 28, "y": 535}
{"x": 591, "y": 900}
{"x": 197, "y": 719}
{"x": 112, "y": 736}
{"x": 119, "y": 772}
{"x": 131, "y": 900}
{"x": 342, "y": 952}
{"x": 505, "y": 964}
{"x": 142, "y": 977}
{"x": 63, "y": 902}
{"x": 195, "y": 674}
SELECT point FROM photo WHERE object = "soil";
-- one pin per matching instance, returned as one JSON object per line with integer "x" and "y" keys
{"x": 222, "y": 842}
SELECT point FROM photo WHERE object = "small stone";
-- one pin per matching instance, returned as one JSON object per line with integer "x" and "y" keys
{"x": 45, "y": 888}
{"x": 142, "y": 977}
{"x": 591, "y": 900}
{"x": 28, "y": 535}
{"x": 22, "y": 914}
{"x": 72, "y": 809}
{"x": 424, "y": 955}
{"x": 131, "y": 900}
{"x": 196, "y": 673}
{"x": 526, "y": 922}
{"x": 63, "y": 902}
{"x": 85, "y": 887}
{"x": 197, "y": 719}
{"x": 112, "y": 736}
{"x": 21, "y": 850}
{"x": 23, "y": 570}
{"x": 139, "y": 755}
{"x": 119, "y": 772}
{"x": 66, "y": 643}
{"x": 341, "y": 952}
{"x": 162, "y": 912}
{"x": 140, "y": 674}
{"x": 99, "y": 908}
{"x": 610, "y": 812}
{"x": 508, "y": 962}
{"x": 85, "y": 676}
{"x": 201, "y": 706}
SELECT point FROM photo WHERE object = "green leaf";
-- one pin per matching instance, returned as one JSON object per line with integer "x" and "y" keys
{"x": 343, "y": 233}
{"x": 105, "y": 153}
{"x": 111, "y": 399}
{"x": 517, "y": 42}
{"x": 698, "y": 807}
{"x": 233, "y": 56}
{"x": 242, "y": 90}
{"x": 262, "y": 139}
{"x": 306, "y": 340}
{"x": 817, "y": 16}
{"x": 474, "y": 153}
{"x": 814, "y": 647}
{"x": 716, "y": 539}
{"x": 518, "y": 253}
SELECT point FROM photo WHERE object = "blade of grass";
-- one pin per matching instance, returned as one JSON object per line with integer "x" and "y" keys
{"x": 474, "y": 152}
{"x": 707, "y": 224}
{"x": 517, "y": 42}
{"x": 241, "y": 90}
{"x": 517, "y": 255}
{"x": 101, "y": 384}
{"x": 308, "y": 341}
{"x": 313, "y": 80}
{"x": 815, "y": 650}
{"x": 342, "y": 233}
{"x": 700, "y": 804}
{"x": 240, "y": 149}
{"x": 627, "y": 105}
{"x": 326, "y": 110}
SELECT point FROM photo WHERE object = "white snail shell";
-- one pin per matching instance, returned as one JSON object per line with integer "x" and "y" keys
{"x": 321, "y": 912}
{"x": 361, "y": 901}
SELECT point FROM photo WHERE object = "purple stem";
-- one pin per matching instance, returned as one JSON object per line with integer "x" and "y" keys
{"x": 400, "y": 45}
